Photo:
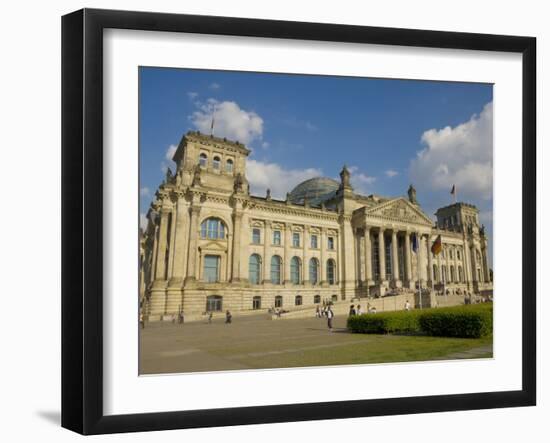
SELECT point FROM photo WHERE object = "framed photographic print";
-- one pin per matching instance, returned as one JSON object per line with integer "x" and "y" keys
{"x": 269, "y": 221}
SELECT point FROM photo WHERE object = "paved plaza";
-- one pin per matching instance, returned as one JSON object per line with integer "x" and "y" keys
{"x": 255, "y": 342}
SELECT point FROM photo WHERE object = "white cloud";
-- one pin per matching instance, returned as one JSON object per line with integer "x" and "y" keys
{"x": 192, "y": 95}
{"x": 145, "y": 192}
{"x": 280, "y": 180}
{"x": 390, "y": 173}
{"x": 170, "y": 152}
{"x": 214, "y": 86}
{"x": 229, "y": 121}
{"x": 462, "y": 155}
{"x": 360, "y": 181}
{"x": 265, "y": 145}
{"x": 168, "y": 157}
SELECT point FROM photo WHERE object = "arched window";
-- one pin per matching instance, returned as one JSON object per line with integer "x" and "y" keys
{"x": 276, "y": 270}
{"x": 313, "y": 271}
{"x": 216, "y": 162}
{"x": 278, "y": 301}
{"x": 331, "y": 271}
{"x": 460, "y": 276}
{"x": 452, "y": 273}
{"x": 458, "y": 254}
{"x": 298, "y": 300}
{"x": 444, "y": 274}
{"x": 436, "y": 274}
{"x": 256, "y": 302}
{"x": 254, "y": 267}
{"x": 316, "y": 299}
{"x": 229, "y": 166}
{"x": 295, "y": 270}
{"x": 213, "y": 228}
{"x": 214, "y": 303}
{"x": 334, "y": 298}
{"x": 203, "y": 160}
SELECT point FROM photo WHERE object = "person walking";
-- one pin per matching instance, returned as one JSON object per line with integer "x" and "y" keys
{"x": 407, "y": 306}
{"x": 330, "y": 317}
{"x": 210, "y": 315}
{"x": 141, "y": 320}
{"x": 359, "y": 310}
{"x": 352, "y": 310}
{"x": 228, "y": 316}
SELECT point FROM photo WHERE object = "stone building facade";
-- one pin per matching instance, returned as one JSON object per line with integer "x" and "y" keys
{"x": 211, "y": 245}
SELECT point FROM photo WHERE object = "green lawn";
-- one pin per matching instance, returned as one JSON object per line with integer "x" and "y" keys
{"x": 374, "y": 349}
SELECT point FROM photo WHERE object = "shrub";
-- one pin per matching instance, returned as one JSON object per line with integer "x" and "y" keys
{"x": 385, "y": 322}
{"x": 471, "y": 321}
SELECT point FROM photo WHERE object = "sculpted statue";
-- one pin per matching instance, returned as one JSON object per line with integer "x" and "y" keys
{"x": 412, "y": 194}
{"x": 196, "y": 176}
{"x": 268, "y": 194}
{"x": 238, "y": 185}
{"x": 345, "y": 178}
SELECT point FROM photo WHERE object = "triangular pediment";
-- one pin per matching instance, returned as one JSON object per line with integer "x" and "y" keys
{"x": 400, "y": 210}
{"x": 213, "y": 246}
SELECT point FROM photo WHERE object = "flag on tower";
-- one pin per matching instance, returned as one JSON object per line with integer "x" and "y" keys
{"x": 453, "y": 190}
{"x": 212, "y": 126}
{"x": 436, "y": 247}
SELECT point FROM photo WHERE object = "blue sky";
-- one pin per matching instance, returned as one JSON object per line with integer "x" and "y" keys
{"x": 389, "y": 132}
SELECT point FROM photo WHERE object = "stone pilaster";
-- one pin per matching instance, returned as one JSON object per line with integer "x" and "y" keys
{"x": 160, "y": 273}
{"x": 395, "y": 259}
{"x": 193, "y": 242}
{"x": 368, "y": 256}
{"x": 267, "y": 253}
{"x": 288, "y": 254}
{"x": 236, "y": 247}
{"x": 381, "y": 255}
{"x": 408, "y": 260}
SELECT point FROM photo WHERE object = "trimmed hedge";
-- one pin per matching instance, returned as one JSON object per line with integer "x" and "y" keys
{"x": 385, "y": 322}
{"x": 469, "y": 321}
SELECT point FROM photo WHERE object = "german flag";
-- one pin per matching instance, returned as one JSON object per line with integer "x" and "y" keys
{"x": 436, "y": 247}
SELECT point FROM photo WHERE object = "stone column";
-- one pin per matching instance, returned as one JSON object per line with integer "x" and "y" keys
{"x": 193, "y": 242}
{"x": 323, "y": 265}
{"x": 179, "y": 242}
{"x": 474, "y": 264}
{"x": 305, "y": 258}
{"x": 430, "y": 261}
{"x": 236, "y": 258}
{"x": 381, "y": 255}
{"x": 160, "y": 273}
{"x": 408, "y": 260}
{"x": 287, "y": 257}
{"x": 267, "y": 253}
{"x": 368, "y": 256}
{"x": 486, "y": 264}
{"x": 395, "y": 258}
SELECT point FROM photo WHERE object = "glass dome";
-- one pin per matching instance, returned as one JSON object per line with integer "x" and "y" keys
{"x": 316, "y": 190}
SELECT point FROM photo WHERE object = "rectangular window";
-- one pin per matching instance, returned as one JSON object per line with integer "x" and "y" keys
{"x": 314, "y": 241}
{"x": 256, "y": 236}
{"x": 296, "y": 239}
{"x": 211, "y": 268}
{"x": 330, "y": 243}
{"x": 276, "y": 237}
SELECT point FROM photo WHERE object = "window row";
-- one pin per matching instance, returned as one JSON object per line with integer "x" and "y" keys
{"x": 215, "y": 302}
{"x": 276, "y": 270}
{"x": 296, "y": 239}
{"x": 454, "y": 277}
{"x": 216, "y": 163}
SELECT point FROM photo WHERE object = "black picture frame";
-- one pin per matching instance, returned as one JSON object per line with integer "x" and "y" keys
{"x": 82, "y": 217}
